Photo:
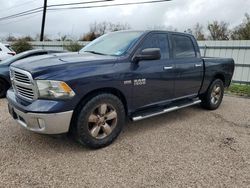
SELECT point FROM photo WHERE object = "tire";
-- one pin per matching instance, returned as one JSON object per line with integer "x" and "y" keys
{"x": 99, "y": 121}
{"x": 212, "y": 99}
{"x": 3, "y": 88}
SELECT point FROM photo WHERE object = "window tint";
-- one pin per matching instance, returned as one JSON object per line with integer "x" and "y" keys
{"x": 183, "y": 47}
{"x": 157, "y": 40}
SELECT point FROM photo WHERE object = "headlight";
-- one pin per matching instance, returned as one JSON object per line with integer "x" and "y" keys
{"x": 51, "y": 89}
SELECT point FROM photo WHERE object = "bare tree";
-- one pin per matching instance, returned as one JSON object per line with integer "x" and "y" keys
{"x": 11, "y": 38}
{"x": 118, "y": 27}
{"x": 218, "y": 31}
{"x": 28, "y": 38}
{"x": 189, "y": 31}
{"x": 63, "y": 37}
{"x": 98, "y": 29}
{"x": 45, "y": 38}
{"x": 198, "y": 32}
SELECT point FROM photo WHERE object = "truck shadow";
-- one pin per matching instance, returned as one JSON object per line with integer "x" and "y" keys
{"x": 66, "y": 144}
{"x": 168, "y": 119}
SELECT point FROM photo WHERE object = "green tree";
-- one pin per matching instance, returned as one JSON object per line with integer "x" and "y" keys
{"x": 218, "y": 31}
{"x": 242, "y": 32}
{"x": 21, "y": 45}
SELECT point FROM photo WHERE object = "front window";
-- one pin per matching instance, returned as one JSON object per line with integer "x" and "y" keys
{"x": 157, "y": 40}
{"x": 115, "y": 44}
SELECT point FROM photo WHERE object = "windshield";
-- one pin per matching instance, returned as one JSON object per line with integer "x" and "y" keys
{"x": 115, "y": 44}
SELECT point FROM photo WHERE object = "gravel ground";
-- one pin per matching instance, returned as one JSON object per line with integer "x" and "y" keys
{"x": 191, "y": 147}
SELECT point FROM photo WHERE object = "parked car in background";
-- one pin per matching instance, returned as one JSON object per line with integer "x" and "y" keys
{"x": 6, "y": 51}
{"x": 5, "y": 82}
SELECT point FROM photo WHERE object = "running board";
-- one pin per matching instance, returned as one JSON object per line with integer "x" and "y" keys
{"x": 137, "y": 118}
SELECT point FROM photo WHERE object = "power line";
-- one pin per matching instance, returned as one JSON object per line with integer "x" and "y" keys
{"x": 111, "y": 5}
{"x": 24, "y": 13}
{"x": 39, "y": 9}
{"x": 53, "y": 5}
{"x": 20, "y": 19}
{"x": 16, "y": 6}
{"x": 79, "y": 3}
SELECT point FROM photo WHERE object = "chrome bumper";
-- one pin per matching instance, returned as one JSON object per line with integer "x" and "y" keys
{"x": 52, "y": 123}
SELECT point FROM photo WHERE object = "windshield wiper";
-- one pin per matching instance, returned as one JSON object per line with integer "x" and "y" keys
{"x": 94, "y": 52}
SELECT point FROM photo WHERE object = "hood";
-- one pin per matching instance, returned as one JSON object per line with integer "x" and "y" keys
{"x": 46, "y": 64}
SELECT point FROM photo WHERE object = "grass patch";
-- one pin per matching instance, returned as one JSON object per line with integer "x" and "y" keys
{"x": 239, "y": 89}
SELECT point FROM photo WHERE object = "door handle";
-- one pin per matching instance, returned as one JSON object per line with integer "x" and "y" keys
{"x": 168, "y": 68}
{"x": 198, "y": 65}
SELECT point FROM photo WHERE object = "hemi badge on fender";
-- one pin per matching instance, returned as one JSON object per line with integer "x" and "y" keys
{"x": 126, "y": 82}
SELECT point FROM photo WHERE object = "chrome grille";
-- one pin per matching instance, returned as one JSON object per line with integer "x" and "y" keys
{"x": 22, "y": 82}
{"x": 25, "y": 91}
{"x": 21, "y": 77}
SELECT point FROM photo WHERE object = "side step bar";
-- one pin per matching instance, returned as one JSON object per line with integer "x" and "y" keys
{"x": 137, "y": 118}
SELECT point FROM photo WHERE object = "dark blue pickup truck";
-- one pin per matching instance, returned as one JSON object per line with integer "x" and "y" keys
{"x": 119, "y": 76}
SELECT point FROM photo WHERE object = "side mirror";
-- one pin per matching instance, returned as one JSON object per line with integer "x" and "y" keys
{"x": 148, "y": 54}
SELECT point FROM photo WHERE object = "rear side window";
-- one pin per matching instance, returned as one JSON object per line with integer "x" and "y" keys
{"x": 183, "y": 47}
{"x": 157, "y": 40}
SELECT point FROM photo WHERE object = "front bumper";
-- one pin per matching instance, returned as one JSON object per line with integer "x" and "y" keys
{"x": 46, "y": 123}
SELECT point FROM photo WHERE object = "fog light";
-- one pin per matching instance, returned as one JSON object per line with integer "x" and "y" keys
{"x": 41, "y": 123}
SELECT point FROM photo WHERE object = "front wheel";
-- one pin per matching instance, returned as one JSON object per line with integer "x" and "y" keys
{"x": 100, "y": 121}
{"x": 214, "y": 95}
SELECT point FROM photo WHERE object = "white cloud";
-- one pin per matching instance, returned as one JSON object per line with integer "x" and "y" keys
{"x": 180, "y": 14}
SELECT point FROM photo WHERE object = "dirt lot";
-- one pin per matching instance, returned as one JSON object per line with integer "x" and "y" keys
{"x": 187, "y": 148}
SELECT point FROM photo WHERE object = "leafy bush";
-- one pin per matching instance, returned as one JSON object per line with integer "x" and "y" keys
{"x": 21, "y": 45}
{"x": 74, "y": 47}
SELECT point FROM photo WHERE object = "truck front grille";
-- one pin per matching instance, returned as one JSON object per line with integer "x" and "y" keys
{"x": 22, "y": 83}
{"x": 21, "y": 77}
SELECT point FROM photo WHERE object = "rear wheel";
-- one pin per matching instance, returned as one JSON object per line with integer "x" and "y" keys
{"x": 99, "y": 121}
{"x": 3, "y": 88}
{"x": 214, "y": 95}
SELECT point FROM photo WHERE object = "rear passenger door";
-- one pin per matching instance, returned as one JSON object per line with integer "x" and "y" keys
{"x": 156, "y": 79}
{"x": 188, "y": 65}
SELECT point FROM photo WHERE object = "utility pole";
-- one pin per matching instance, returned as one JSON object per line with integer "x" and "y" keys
{"x": 43, "y": 21}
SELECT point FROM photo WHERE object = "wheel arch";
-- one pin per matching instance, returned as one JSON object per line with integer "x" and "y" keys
{"x": 109, "y": 90}
{"x": 6, "y": 86}
{"x": 5, "y": 80}
{"x": 208, "y": 81}
{"x": 219, "y": 76}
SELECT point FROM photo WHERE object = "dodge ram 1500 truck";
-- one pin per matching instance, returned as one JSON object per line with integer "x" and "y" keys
{"x": 119, "y": 76}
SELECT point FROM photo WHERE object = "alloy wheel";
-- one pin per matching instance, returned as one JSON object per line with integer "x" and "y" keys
{"x": 102, "y": 121}
{"x": 216, "y": 94}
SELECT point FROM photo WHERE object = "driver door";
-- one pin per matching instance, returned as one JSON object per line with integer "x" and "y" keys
{"x": 153, "y": 79}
